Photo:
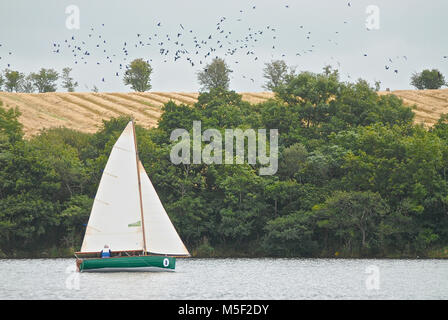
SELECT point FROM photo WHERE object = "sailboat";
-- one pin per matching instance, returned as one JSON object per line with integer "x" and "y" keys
{"x": 128, "y": 216}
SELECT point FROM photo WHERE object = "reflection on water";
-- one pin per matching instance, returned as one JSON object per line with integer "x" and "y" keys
{"x": 231, "y": 279}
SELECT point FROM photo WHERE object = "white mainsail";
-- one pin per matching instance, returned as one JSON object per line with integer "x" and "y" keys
{"x": 160, "y": 235}
{"x": 115, "y": 219}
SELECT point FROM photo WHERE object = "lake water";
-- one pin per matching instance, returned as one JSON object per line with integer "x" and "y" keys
{"x": 238, "y": 279}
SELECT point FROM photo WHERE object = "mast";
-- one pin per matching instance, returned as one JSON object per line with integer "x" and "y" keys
{"x": 139, "y": 188}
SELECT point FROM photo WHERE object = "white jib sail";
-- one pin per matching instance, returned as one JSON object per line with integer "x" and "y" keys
{"x": 160, "y": 235}
{"x": 115, "y": 219}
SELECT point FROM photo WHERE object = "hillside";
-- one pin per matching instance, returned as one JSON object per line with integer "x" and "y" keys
{"x": 84, "y": 111}
{"x": 429, "y": 104}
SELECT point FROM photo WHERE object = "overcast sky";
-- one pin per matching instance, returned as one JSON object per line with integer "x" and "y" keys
{"x": 406, "y": 36}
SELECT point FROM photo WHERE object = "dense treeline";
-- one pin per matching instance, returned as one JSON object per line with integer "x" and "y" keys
{"x": 356, "y": 177}
{"x": 43, "y": 81}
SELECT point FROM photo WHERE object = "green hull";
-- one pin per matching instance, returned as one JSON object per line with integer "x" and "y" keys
{"x": 137, "y": 263}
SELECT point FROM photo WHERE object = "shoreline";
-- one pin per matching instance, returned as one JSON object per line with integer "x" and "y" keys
{"x": 223, "y": 258}
{"x": 250, "y": 252}
{"x": 242, "y": 256}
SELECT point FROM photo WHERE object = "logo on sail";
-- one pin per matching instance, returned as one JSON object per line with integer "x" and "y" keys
{"x": 135, "y": 224}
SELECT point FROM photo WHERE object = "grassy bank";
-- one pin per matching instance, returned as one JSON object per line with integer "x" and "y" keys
{"x": 433, "y": 253}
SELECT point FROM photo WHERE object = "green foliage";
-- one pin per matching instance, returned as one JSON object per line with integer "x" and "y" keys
{"x": 424, "y": 238}
{"x": 205, "y": 250}
{"x": 138, "y": 75}
{"x": 290, "y": 235}
{"x": 355, "y": 176}
{"x": 323, "y": 105}
{"x": 73, "y": 219}
{"x": 45, "y": 80}
{"x": 67, "y": 81}
{"x": 10, "y": 127}
{"x": 215, "y": 75}
{"x": 351, "y": 220}
{"x": 277, "y": 73}
{"x": 428, "y": 79}
{"x": 13, "y": 80}
{"x": 293, "y": 161}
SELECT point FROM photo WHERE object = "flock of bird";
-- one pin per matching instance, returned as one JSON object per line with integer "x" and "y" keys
{"x": 229, "y": 39}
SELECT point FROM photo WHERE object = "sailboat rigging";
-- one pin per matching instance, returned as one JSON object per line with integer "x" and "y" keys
{"x": 128, "y": 216}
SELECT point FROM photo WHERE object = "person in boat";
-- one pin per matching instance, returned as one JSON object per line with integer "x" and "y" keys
{"x": 106, "y": 253}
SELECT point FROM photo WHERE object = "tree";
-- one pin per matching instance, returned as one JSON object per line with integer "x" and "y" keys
{"x": 73, "y": 217}
{"x": 377, "y": 85}
{"x": 45, "y": 80}
{"x": 10, "y": 126}
{"x": 312, "y": 95}
{"x": 138, "y": 75}
{"x": 215, "y": 76}
{"x": 1, "y": 82}
{"x": 276, "y": 72}
{"x": 293, "y": 160}
{"x": 30, "y": 218}
{"x": 13, "y": 80}
{"x": 428, "y": 79}
{"x": 353, "y": 218}
{"x": 67, "y": 81}
{"x": 242, "y": 207}
{"x": 290, "y": 235}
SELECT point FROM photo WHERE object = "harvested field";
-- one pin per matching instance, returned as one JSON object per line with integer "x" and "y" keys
{"x": 429, "y": 104}
{"x": 85, "y": 111}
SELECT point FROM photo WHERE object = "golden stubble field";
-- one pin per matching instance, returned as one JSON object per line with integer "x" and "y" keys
{"x": 85, "y": 111}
